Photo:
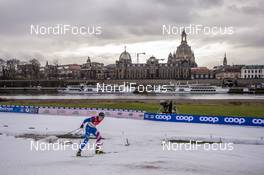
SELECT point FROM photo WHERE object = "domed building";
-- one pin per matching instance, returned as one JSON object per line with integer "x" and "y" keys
{"x": 178, "y": 66}
{"x": 122, "y": 64}
{"x": 152, "y": 61}
{"x": 125, "y": 57}
{"x": 183, "y": 54}
{"x": 92, "y": 70}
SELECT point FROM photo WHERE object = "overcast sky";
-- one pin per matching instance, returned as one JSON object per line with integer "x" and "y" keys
{"x": 133, "y": 24}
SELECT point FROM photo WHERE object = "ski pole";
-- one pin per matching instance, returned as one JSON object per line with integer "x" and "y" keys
{"x": 73, "y": 131}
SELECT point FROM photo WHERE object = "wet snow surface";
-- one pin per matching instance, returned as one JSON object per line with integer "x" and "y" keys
{"x": 144, "y": 155}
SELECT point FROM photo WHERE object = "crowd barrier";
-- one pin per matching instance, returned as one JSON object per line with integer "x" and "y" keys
{"x": 134, "y": 114}
{"x": 224, "y": 120}
{"x": 116, "y": 113}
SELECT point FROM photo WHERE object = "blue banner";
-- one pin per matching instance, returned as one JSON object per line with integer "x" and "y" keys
{"x": 225, "y": 120}
{"x": 19, "y": 109}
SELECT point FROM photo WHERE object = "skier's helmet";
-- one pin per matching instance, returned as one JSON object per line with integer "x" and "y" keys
{"x": 101, "y": 114}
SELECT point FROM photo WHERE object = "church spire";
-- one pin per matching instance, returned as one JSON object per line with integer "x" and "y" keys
{"x": 88, "y": 60}
{"x": 225, "y": 61}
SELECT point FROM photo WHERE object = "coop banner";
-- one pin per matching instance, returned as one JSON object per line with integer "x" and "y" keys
{"x": 225, "y": 120}
{"x": 19, "y": 109}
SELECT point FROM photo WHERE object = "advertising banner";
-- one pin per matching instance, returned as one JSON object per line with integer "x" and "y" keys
{"x": 19, "y": 109}
{"x": 225, "y": 120}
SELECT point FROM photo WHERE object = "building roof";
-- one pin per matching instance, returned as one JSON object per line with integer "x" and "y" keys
{"x": 253, "y": 67}
{"x": 110, "y": 66}
{"x": 152, "y": 60}
{"x": 200, "y": 70}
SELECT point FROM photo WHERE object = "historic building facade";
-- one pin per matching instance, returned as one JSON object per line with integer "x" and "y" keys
{"x": 178, "y": 65}
{"x": 202, "y": 73}
{"x": 226, "y": 71}
{"x": 92, "y": 70}
{"x": 252, "y": 72}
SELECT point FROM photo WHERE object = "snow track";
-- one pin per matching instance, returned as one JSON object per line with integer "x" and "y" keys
{"x": 144, "y": 155}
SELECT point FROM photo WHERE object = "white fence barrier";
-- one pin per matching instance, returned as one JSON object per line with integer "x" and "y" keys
{"x": 116, "y": 113}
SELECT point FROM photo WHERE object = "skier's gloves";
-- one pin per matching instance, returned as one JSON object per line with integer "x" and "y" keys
{"x": 81, "y": 126}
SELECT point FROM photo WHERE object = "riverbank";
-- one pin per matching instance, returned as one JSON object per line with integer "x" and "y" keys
{"x": 64, "y": 83}
{"x": 195, "y": 107}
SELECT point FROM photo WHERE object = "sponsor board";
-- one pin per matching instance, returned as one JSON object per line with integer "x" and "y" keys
{"x": 225, "y": 120}
{"x": 19, "y": 109}
{"x": 88, "y": 112}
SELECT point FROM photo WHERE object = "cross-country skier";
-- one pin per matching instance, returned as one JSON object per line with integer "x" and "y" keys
{"x": 90, "y": 128}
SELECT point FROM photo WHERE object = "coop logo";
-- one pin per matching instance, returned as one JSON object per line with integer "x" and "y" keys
{"x": 235, "y": 120}
{"x": 209, "y": 119}
{"x": 163, "y": 117}
{"x": 184, "y": 118}
{"x": 27, "y": 110}
{"x": 258, "y": 121}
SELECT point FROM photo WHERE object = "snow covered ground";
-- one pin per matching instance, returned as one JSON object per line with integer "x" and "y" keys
{"x": 145, "y": 155}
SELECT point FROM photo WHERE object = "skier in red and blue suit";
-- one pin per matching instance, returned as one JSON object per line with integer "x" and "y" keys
{"x": 90, "y": 128}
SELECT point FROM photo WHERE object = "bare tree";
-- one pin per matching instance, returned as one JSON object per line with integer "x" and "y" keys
{"x": 55, "y": 71}
{"x": 11, "y": 68}
{"x": 2, "y": 68}
{"x": 35, "y": 66}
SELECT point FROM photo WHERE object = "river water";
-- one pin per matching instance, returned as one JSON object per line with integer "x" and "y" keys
{"x": 138, "y": 97}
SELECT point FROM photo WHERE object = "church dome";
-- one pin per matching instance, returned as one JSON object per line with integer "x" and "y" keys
{"x": 125, "y": 56}
{"x": 184, "y": 51}
{"x": 152, "y": 60}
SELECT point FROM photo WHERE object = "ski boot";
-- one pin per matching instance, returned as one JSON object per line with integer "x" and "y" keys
{"x": 98, "y": 150}
{"x": 78, "y": 154}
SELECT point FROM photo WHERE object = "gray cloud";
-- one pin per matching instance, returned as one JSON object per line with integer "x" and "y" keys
{"x": 126, "y": 21}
